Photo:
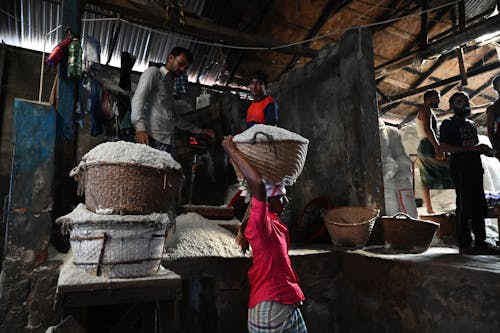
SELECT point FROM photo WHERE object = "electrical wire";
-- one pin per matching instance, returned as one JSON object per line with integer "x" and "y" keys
{"x": 264, "y": 48}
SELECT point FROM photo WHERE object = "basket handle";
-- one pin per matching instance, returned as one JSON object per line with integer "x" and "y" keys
{"x": 270, "y": 138}
{"x": 407, "y": 217}
{"x": 270, "y": 141}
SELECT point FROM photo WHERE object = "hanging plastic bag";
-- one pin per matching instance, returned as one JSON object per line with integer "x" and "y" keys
{"x": 58, "y": 52}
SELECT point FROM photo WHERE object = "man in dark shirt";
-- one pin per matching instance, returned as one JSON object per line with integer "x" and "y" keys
{"x": 459, "y": 137}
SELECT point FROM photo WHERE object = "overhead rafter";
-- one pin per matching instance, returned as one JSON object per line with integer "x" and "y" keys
{"x": 154, "y": 16}
{"x": 471, "y": 73}
{"x": 332, "y": 7}
{"x": 253, "y": 26}
{"x": 442, "y": 46}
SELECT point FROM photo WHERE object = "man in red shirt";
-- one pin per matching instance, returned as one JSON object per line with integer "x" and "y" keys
{"x": 263, "y": 110}
{"x": 274, "y": 290}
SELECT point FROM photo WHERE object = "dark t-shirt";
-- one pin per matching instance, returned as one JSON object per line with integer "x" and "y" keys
{"x": 460, "y": 133}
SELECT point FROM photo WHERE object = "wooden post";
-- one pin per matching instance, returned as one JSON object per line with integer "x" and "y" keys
{"x": 423, "y": 25}
{"x": 461, "y": 64}
{"x": 65, "y": 189}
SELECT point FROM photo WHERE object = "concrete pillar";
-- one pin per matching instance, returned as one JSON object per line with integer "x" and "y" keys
{"x": 332, "y": 102}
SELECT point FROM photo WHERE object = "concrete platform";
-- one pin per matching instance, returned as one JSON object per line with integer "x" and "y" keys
{"x": 354, "y": 291}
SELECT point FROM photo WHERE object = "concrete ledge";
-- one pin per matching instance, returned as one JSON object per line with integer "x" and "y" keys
{"x": 356, "y": 291}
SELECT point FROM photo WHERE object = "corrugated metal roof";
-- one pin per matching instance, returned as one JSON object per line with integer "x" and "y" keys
{"x": 473, "y": 8}
{"x": 25, "y": 23}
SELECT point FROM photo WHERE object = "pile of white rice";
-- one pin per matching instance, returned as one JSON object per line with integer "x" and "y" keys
{"x": 128, "y": 152}
{"x": 198, "y": 237}
{"x": 278, "y": 134}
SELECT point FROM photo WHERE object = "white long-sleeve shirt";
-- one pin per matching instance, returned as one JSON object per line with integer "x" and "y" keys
{"x": 153, "y": 106}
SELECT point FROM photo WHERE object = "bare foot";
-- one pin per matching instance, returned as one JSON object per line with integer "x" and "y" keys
{"x": 431, "y": 211}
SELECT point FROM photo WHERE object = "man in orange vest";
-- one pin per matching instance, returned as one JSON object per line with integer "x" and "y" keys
{"x": 263, "y": 110}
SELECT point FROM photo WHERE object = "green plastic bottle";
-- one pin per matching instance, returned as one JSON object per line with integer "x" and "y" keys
{"x": 75, "y": 59}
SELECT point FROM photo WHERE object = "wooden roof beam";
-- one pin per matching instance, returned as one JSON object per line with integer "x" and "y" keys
{"x": 442, "y": 46}
{"x": 154, "y": 16}
{"x": 332, "y": 7}
{"x": 471, "y": 73}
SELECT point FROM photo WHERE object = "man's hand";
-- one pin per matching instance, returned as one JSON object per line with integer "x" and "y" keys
{"x": 440, "y": 156}
{"x": 207, "y": 132}
{"x": 142, "y": 137}
{"x": 228, "y": 143}
{"x": 482, "y": 148}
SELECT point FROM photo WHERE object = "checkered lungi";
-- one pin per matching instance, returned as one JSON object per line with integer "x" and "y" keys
{"x": 274, "y": 317}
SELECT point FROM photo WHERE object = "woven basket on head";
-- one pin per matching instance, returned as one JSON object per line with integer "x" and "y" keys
{"x": 128, "y": 188}
{"x": 402, "y": 232}
{"x": 350, "y": 226}
{"x": 274, "y": 159}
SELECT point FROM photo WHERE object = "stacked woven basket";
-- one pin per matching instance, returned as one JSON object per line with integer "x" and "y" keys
{"x": 130, "y": 192}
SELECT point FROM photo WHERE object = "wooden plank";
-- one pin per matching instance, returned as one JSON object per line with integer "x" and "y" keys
{"x": 441, "y": 46}
{"x": 211, "y": 212}
{"x": 453, "y": 79}
{"x": 32, "y": 175}
{"x": 397, "y": 83}
{"x": 461, "y": 65}
{"x": 423, "y": 24}
{"x": 3, "y": 55}
{"x": 154, "y": 15}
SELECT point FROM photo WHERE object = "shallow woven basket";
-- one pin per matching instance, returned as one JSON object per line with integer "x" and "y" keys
{"x": 128, "y": 188}
{"x": 274, "y": 159}
{"x": 350, "y": 226}
{"x": 118, "y": 250}
{"x": 402, "y": 232}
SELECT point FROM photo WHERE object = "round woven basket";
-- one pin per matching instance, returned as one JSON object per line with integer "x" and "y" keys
{"x": 402, "y": 232}
{"x": 127, "y": 188}
{"x": 350, "y": 226}
{"x": 274, "y": 159}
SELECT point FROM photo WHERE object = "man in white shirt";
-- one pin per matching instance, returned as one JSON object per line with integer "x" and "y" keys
{"x": 153, "y": 114}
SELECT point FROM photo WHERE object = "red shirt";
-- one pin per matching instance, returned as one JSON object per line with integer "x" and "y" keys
{"x": 271, "y": 276}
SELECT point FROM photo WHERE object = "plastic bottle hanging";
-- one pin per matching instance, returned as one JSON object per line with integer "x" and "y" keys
{"x": 75, "y": 59}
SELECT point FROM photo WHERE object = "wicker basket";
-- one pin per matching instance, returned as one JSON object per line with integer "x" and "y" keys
{"x": 126, "y": 188}
{"x": 274, "y": 159}
{"x": 402, "y": 232}
{"x": 350, "y": 226}
{"x": 121, "y": 248}
{"x": 446, "y": 223}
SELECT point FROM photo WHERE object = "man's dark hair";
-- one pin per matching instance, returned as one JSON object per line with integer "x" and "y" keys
{"x": 495, "y": 80}
{"x": 260, "y": 76}
{"x": 430, "y": 93}
{"x": 456, "y": 95}
{"x": 177, "y": 51}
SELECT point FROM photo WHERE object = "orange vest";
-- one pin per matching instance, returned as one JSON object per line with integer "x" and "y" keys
{"x": 255, "y": 111}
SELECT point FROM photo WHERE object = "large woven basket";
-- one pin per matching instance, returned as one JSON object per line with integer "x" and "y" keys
{"x": 350, "y": 226}
{"x": 126, "y": 188}
{"x": 446, "y": 223}
{"x": 404, "y": 233}
{"x": 121, "y": 248}
{"x": 274, "y": 159}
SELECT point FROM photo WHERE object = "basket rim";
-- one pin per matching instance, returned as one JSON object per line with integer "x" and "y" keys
{"x": 268, "y": 143}
{"x": 351, "y": 224}
{"x": 93, "y": 164}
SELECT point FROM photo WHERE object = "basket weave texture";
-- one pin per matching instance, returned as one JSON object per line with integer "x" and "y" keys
{"x": 118, "y": 250}
{"x": 128, "y": 188}
{"x": 402, "y": 232}
{"x": 274, "y": 159}
{"x": 350, "y": 226}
